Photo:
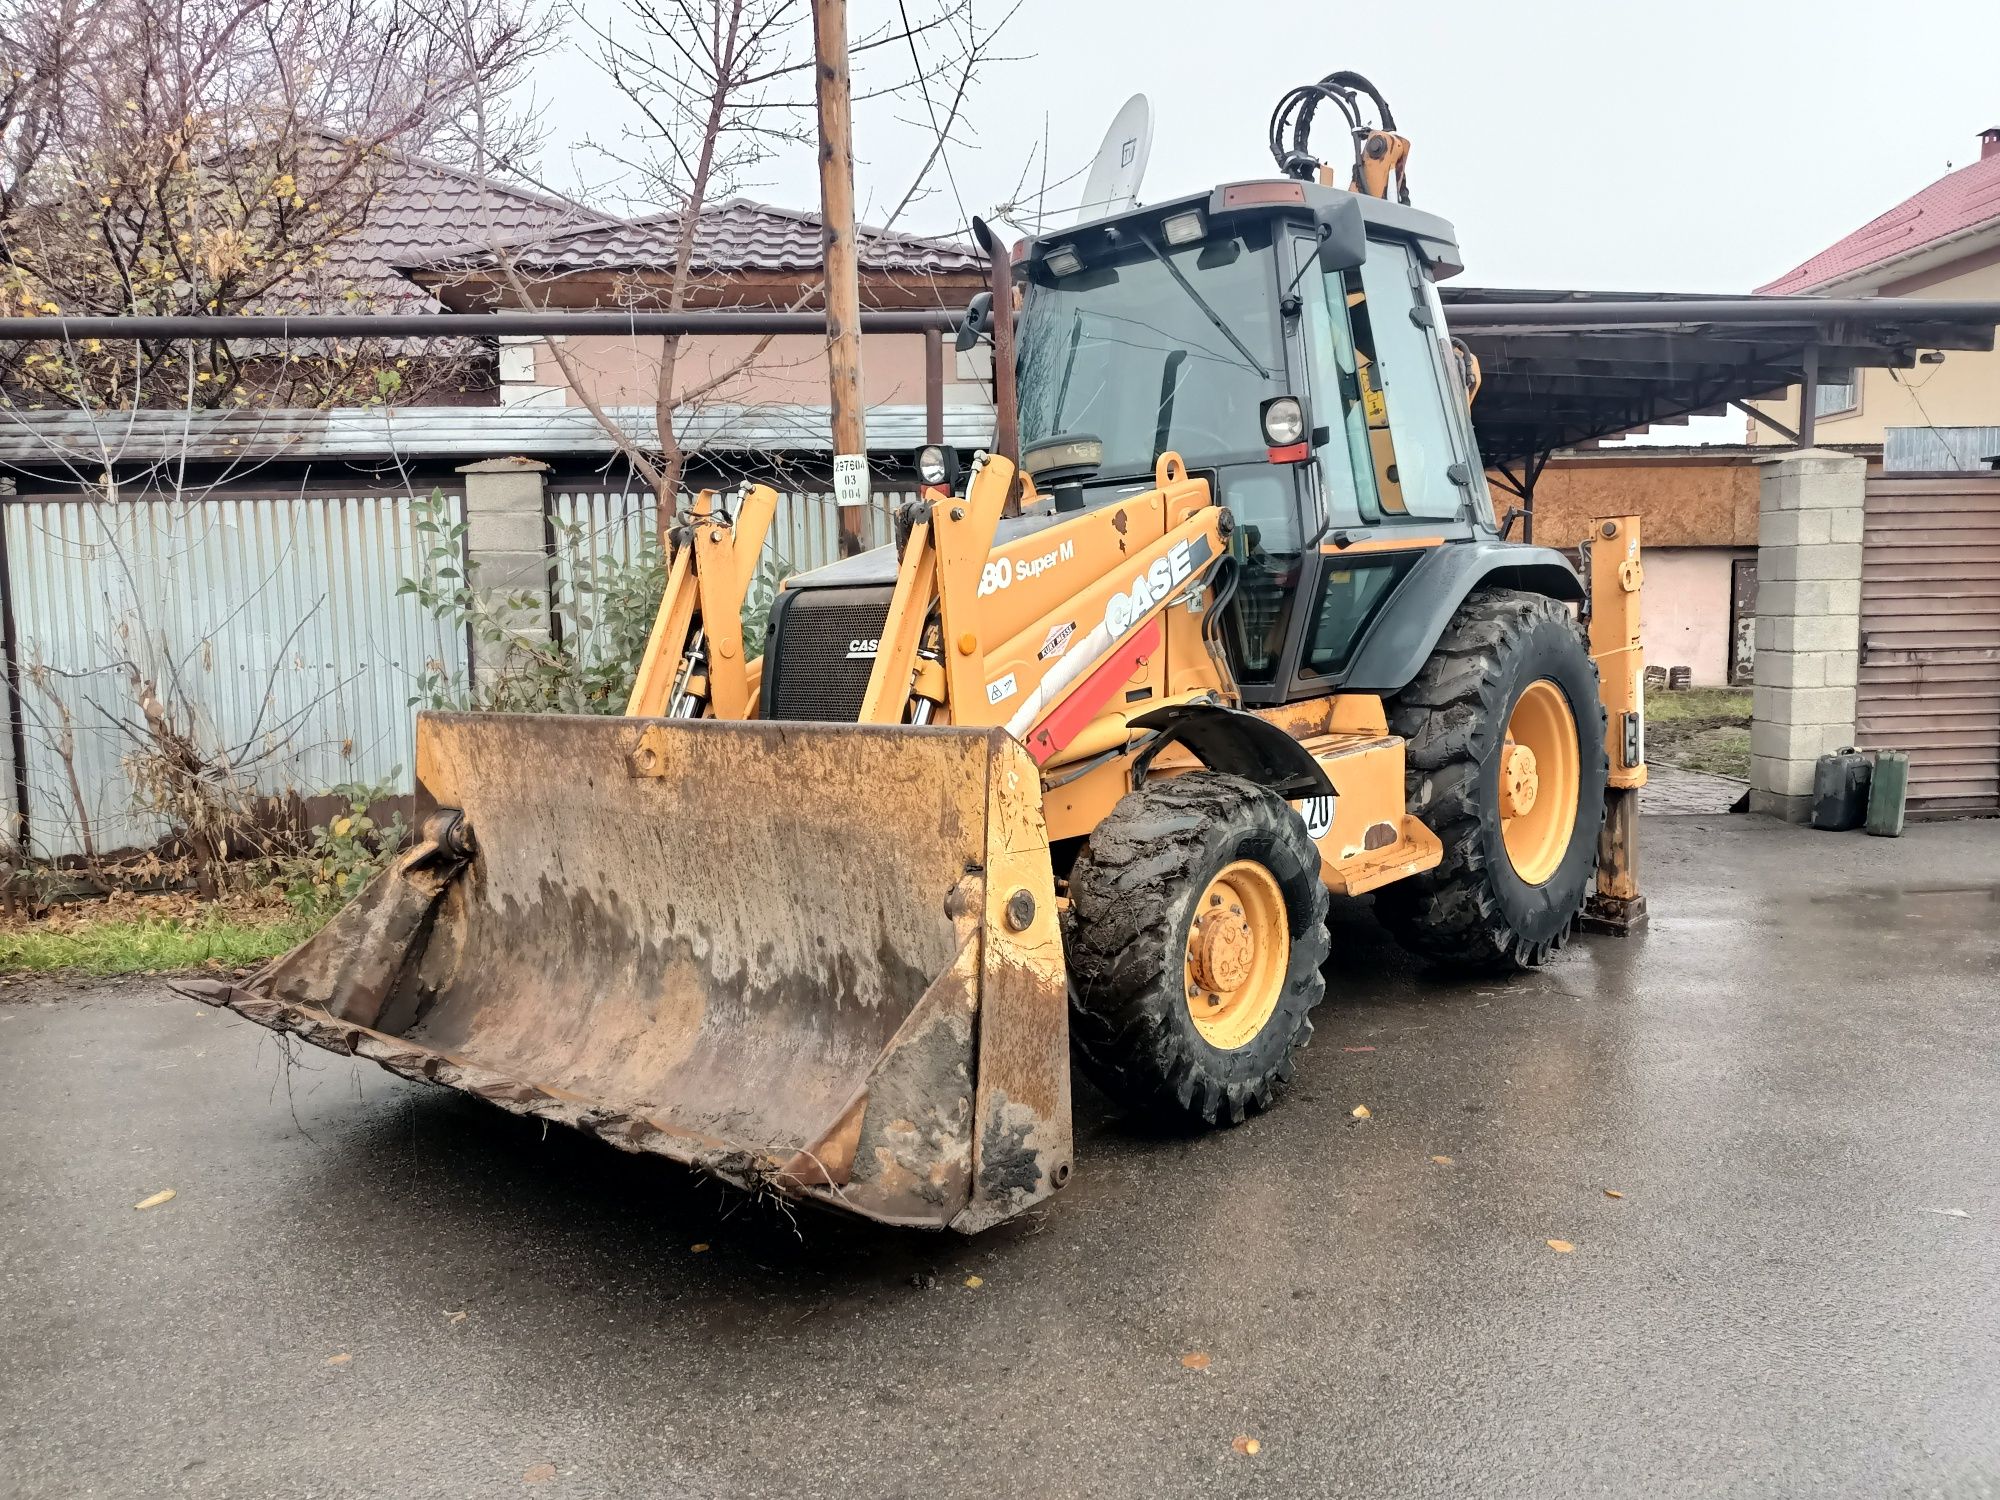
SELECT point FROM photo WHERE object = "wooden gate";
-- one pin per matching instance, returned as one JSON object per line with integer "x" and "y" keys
{"x": 1930, "y": 635}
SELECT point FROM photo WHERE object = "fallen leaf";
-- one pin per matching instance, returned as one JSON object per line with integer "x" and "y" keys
{"x": 975, "y": 1281}
{"x": 1195, "y": 1361}
{"x": 156, "y": 1200}
{"x": 339, "y": 1359}
{"x": 1361, "y": 1112}
{"x": 698, "y": 1247}
{"x": 539, "y": 1474}
{"x": 1357, "y": 1049}
{"x": 1246, "y": 1445}
{"x": 1443, "y": 1161}
{"x": 455, "y": 1317}
{"x": 1613, "y": 1193}
{"x": 1561, "y": 1247}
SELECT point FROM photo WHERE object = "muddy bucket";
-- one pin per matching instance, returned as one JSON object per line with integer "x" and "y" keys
{"x": 816, "y": 960}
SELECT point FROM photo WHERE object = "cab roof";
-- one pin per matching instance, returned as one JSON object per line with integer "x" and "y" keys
{"x": 1280, "y": 196}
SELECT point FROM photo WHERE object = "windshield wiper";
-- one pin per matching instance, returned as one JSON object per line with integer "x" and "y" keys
{"x": 1201, "y": 302}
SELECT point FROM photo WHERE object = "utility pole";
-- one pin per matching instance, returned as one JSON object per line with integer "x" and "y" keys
{"x": 843, "y": 273}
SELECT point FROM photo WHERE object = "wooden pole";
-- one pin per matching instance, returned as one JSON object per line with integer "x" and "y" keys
{"x": 843, "y": 275}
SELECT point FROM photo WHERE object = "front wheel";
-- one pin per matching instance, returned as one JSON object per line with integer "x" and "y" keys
{"x": 1195, "y": 933}
{"x": 1504, "y": 739}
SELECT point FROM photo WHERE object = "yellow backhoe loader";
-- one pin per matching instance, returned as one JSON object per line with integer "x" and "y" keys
{"x": 1074, "y": 764}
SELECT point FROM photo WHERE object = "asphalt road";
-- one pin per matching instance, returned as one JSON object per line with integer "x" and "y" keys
{"x": 363, "y": 1287}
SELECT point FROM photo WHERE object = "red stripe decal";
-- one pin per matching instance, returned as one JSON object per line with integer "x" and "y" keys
{"x": 1081, "y": 706}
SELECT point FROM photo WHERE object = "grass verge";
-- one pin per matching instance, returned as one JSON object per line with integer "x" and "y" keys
{"x": 126, "y": 944}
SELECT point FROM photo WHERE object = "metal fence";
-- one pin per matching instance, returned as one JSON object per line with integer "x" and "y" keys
{"x": 597, "y": 529}
{"x": 268, "y": 627}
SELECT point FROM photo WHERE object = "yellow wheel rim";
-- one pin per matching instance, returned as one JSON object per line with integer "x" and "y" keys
{"x": 1540, "y": 779}
{"x": 1239, "y": 949}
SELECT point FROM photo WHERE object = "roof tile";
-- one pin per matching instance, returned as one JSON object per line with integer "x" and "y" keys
{"x": 736, "y": 235}
{"x": 1966, "y": 199}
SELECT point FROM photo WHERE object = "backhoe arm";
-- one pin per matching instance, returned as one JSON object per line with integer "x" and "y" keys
{"x": 695, "y": 658}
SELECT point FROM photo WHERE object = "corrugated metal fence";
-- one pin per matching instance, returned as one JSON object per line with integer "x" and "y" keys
{"x": 598, "y": 529}
{"x": 268, "y": 626}
{"x": 271, "y": 628}
{"x": 605, "y": 524}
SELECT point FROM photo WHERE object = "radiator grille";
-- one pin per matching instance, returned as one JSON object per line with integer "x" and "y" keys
{"x": 812, "y": 669}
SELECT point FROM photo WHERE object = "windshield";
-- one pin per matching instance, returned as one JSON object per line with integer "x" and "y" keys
{"x": 1157, "y": 347}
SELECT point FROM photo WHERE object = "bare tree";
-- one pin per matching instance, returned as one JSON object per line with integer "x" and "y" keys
{"x": 718, "y": 88}
{"x": 188, "y": 156}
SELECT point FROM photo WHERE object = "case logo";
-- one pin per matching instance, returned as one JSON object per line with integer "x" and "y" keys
{"x": 1148, "y": 589}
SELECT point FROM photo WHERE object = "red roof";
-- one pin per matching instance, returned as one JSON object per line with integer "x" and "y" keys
{"x": 1966, "y": 199}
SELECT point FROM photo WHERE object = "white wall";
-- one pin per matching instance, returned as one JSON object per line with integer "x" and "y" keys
{"x": 1685, "y": 611}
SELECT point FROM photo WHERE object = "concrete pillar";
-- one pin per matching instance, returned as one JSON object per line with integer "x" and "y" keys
{"x": 506, "y": 551}
{"x": 1808, "y": 623}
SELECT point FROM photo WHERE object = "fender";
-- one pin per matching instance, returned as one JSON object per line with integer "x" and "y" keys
{"x": 1402, "y": 639}
{"x": 1228, "y": 739}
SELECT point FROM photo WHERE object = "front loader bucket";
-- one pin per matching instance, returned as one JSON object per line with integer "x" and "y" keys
{"x": 821, "y": 960}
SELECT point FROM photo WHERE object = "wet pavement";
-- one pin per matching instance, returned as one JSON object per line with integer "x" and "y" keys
{"x": 366, "y": 1288}
{"x": 1669, "y": 789}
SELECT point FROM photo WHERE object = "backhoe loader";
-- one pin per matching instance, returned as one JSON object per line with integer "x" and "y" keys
{"x": 1072, "y": 765}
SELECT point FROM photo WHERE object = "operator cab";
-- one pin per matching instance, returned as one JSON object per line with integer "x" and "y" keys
{"x": 1287, "y": 341}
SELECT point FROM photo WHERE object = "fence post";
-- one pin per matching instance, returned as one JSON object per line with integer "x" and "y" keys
{"x": 1808, "y": 623}
{"x": 506, "y": 548}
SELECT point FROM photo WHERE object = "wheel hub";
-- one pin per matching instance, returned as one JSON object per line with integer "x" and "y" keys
{"x": 1224, "y": 951}
{"x": 1519, "y": 783}
{"x": 1238, "y": 951}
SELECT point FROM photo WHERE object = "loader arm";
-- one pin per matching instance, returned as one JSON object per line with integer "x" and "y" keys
{"x": 959, "y": 646}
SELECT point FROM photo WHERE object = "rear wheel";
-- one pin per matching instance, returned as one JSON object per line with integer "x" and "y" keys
{"x": 1195, "y": 933}
{"x": 1504, "y": 731}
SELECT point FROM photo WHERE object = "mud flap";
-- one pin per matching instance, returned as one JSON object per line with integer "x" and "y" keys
{"x": 818, "y": 960}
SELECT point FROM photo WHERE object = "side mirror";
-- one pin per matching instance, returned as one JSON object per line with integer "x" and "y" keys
{"x": 1343, "y": 234}
{"x": 978, "y": 320}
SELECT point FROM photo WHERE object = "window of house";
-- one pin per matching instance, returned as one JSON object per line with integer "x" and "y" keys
{"x": 1839, "y": 391}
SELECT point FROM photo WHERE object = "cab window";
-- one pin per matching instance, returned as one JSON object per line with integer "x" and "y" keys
{"x": 1266, "y": 544}
{"x": 1346, "y": 470}
{"x": 1351, "y": 595}
{"x": 1411, "y": 439}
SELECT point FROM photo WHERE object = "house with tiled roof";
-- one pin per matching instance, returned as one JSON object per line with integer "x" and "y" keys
{"x": 746, "y": 254}
{"x": 1942, "y": 242}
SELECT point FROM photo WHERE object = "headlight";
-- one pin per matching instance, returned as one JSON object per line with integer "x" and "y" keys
{"x": 1284, "y": 421}
{"x": 1184, "y": 229}
{"x": 1063, "y": 261}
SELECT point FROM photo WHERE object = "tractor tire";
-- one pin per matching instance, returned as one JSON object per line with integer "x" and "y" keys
{"x": 1195, "y": 933}
{"x": 1511, "y": 670}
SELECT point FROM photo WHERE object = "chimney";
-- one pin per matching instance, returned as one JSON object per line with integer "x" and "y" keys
{"x": 1989, "y": 142}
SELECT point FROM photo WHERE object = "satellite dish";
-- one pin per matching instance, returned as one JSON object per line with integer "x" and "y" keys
{"x": 1113, "y": 183}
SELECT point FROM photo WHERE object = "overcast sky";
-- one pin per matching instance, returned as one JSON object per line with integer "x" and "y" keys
{"x": 1697, "y": 146}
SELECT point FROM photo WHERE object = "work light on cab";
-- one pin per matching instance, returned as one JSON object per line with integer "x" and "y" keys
{"x": 937, "y": 466}
{"x": 1184, "y": 229}
{"x": 1063, "y": 261}
{"x": 1285, "y": 429}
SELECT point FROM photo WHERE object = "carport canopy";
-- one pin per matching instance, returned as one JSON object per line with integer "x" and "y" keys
{"x": 1564, "y": 368}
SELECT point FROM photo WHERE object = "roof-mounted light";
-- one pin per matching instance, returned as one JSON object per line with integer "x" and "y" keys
{"x": 1063, "y": 261}
{"x": 1185, "y": 228}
